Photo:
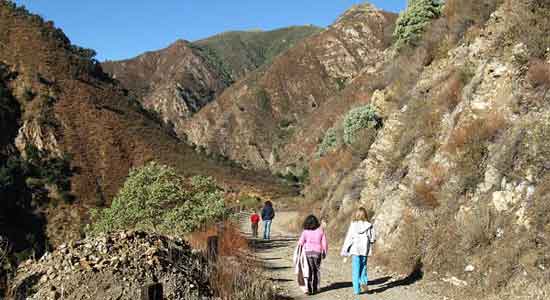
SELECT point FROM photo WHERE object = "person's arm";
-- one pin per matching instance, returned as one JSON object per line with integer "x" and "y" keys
{"x": 347, "y": 242}
{"x": 324, "y": 244}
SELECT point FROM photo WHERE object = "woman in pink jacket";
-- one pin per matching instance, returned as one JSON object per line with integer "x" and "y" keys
{"x": 314, "y": 243}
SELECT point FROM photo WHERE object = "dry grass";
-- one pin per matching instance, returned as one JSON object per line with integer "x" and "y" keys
{"x": 501, "y": 251}
{"x": 403, "y": 72}
{"x": 240, "y": 280}
{"x": 407, "y": 258}
{"x": 539, "y": 74}
{"x": 442, "y": 248}
{"x": 425, "y": 196}
{"x": 451, "y": 91}
{"x": 333, "y": 165}
{"x": 528, "y": 22}
{"x": 231, "y": 242}
{"x": 236, "y": 275}
{"x": 475, "y": 132}
{"x": 468, "y": 148}
{"x": 438, "y": 174}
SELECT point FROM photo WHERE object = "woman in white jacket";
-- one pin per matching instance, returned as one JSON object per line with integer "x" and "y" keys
{"x": 358, "y": 245}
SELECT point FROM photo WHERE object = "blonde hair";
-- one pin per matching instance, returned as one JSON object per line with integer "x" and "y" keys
{"x": 361, "y": 214}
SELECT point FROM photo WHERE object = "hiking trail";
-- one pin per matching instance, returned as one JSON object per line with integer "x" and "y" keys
{"x": 276, "y": 257}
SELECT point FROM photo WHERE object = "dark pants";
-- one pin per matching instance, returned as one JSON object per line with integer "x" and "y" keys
{"x": 314, "y": 278}
{"x": 254, "y": 229}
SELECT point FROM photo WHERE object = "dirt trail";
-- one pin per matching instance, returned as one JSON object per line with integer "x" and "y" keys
{"x": 276, "y": 256}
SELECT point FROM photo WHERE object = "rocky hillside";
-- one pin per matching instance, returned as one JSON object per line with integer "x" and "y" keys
{"x": 178, "y": 81}
{"x": 253, "y": 120}
{"x": 114, "y": 266}
{"x": 456, "y": 176}
{"x": 70, "y": 134}
{"x": 437, "y": 122}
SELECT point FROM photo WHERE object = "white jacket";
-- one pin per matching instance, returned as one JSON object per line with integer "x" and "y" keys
{"x": 359, "y": 239}
{"x": 301, "y": 267}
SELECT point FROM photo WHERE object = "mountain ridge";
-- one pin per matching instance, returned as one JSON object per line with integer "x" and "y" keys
{"x": 262, "y": 111}
{"x": 80, "y": 131}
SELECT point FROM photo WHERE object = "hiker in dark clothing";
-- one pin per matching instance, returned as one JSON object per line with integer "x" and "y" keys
{"x": 268, "y": 213}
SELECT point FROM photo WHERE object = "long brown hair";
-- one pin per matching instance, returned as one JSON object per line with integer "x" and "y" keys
{"x": 361, "y": 214}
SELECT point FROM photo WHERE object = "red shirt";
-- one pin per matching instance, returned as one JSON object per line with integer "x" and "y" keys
{"x": 255, "y": 218}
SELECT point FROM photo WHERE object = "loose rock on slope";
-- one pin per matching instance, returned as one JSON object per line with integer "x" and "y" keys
{"x": 114, "y": 266}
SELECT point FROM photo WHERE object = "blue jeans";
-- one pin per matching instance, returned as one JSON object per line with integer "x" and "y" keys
{"x": 359, "y": 272}
{"x": 267, "y": 229}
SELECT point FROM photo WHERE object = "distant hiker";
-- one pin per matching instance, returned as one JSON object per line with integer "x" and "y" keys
{"x": 358, "y": 244}
{"x": 268, "y": 213}
{"x": 254, "y": 220}
{"x": 311, "y": 249}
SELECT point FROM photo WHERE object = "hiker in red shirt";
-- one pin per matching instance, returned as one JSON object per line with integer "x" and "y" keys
{"x": 254, "y": 220}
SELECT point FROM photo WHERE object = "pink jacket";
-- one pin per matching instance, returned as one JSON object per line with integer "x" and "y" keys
{"x": 314, "y": 240}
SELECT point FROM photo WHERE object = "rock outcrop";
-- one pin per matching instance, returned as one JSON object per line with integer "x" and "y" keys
{"x": 114, "y": 266}
{"x": 455, "y": 177}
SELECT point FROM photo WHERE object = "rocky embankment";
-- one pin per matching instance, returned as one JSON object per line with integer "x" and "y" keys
{"x": 114, "y": 266}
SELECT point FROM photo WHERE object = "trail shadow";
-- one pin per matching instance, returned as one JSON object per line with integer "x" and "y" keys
{"x": 336, "y": 286}
{"x": 348, "y": 284}
{"x": 415, "y": 276}
{"x": 380, "y": 280}
{"x": 280, "y": 280}
{"x": 275, "y": 268}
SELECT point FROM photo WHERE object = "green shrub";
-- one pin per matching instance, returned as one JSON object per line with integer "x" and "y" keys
{"x": 411, "y": 23}
{"x": 329, "y": 143}
{"x": 358, "y": 119}
{"x": 154, "y": 197}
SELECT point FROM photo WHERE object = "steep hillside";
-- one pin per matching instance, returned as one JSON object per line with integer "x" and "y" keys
{"x": 17, "y": 211}
{"x": 72, "y": 133}
{"x": 244, "y": 51}
{"x": 252, "y": 120}
{"x": 178, "y": 81}
{"x": 456, "y": 176}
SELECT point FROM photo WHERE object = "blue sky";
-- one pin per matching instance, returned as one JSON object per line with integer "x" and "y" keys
{"x": 119, "y": 29}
